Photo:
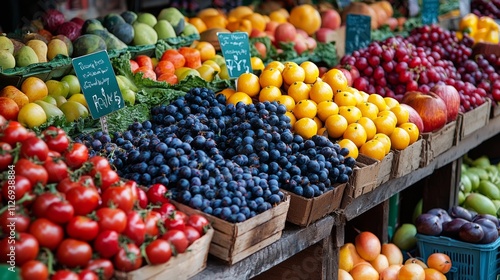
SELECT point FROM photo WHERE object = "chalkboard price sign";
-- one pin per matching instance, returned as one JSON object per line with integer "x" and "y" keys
{"x": 98, "y": 83}
{"x": 429, "y": 11}
{"x": 235, "y": 48}
{"x": 358, "y": 32}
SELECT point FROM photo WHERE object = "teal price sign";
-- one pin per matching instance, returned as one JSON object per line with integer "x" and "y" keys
{"x": 429, "y": 11}
{"x": 235, "y": 48}
{"x": 98, "y": 83}
{"x": 358, "y": 32}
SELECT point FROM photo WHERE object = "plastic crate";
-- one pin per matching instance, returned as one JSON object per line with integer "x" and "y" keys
{"x": 469, "y": 261}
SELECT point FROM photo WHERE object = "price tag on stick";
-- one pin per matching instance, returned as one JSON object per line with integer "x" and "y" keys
{"x": 99, "y": 85}
{"x": 235, "y": 48}
{"x": 358, "y": 32}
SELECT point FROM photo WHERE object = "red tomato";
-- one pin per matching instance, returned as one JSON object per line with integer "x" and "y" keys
{"x": 119, "y": 196}
{"x": 73, "y": 253}
{"x": 144, "y": 61}
{"x": 26, "y": 248}
{"x": 157, "y": 194}
{"x": 99, "y": 164}
{"x": 199, "y": 222}
{"x": 5, "y": 155}
{"x": 17, "y": 219}
{"x": 14, "y": 132}
{"x": 191, "y": 234}
{"x": 82, "y": 228}
{"x": 142, "y": 198}
{"x": 136, "y": 229}
{"x": 34, "y": 172}
{"x": 152, "y": 221}
{"x": 65, "y": 274}
{"x": 34, "y": 270}
{"x": 76, "y": 155}
{"x": 107, "y": 244}
{"x": 34, "y": 148}
{"x": 132, "y": 185}
{"x": 175, "y": 221}
{"x": 88, "y": 274}
{"x": 66, "y": 184}
{"x": 166, "y": 209}
{"x": 60, "y": 212}
{"x": 108, "y": 178}
{"x": 178, "y": 239}
{"x": 83, "y": 199}
{"x": 56, "y": 139}
{"x": 16, "y": 191}
{"x": 42, "y": 203}
{"x": 133, "y": 65}
{"x": 128, "y": 259}
{"x": 103, "y": 267}
{"x": 47, "y": 233}
{"x": 111, "y": 219}
{"x": 158, "y": 251}
{"x": 57, "y": 170}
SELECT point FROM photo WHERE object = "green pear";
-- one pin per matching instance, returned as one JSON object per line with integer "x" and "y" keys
{"x": 50, "y": 109}
{"x": 50, "y": 99}
{"x": 60, "y": 100}
{"x": 189, "y": 29}
{"x": 164, "y": 29}
{"x": 144, "y": 34}
{"x": 73, "y": 110}
{"x": 147, "y": 18}
{"x": 6, "y": 44}
{"x": 175, "y": 17}
{"x": 25, "y": 56}
{"x": 7, "y": 60}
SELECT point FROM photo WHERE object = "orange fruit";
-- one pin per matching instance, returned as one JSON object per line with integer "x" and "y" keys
{"x": 388, "y": 113}
{"x": 378, "y": 100}
{"x": 357, "y": 94}
{"x": 336, "y": 126}
{"x": 385, "y": 140}
{"x": 345, "y": 98}
{"x": 269, "y": 93}
{"x": 305, "y": 127}
{"x": 287, "y": 101}
{"x": 293, "y": 73}
{"x": 356, "y": 133}
{"x": 204, "y": 13}
{"x": 215, "y": 21}
{"x": 239, "y": 97}
{"x": 278, "y": 17}
{"x": 248, "y": 83}
{"x": 411, "y": 271}
{"x": 305, "y": 109}
{"x": 258, "y": 21}
{"x": 401, "y": 113}
{"x": 206, "y": 49}
{"x": 368, "y": 109}
{"x": 390, "y": 102}
{"x": 336, "y": 79}
{"x": 318, "y": 121}
{"x": 433, "y": 274}
{"x": 292, "y": 117}
{"x": 369, "y": 127}
{"x": 322, "y": 132}
{"x": 400, "y": 139}
{"x": 275, "y": 64}
{"x": 270, "y": 77}
{"x": 440, "y": 262}
{"x": 312, "y": 71}
{"x": 412, "y": 130}
{"x": 351, "y": 113}
{"x": 257, "y": 63}
{"x": 305, "y": 17}
{"x": 227, "y": 92}
{"x": 349, "y": 144}
{"x": 373, "y": 148}
{"x": 35, "y": 88}
{"x": 240, "y": 12}
{"x": 198, "y": 23}
{"x": 385, "y": 124}
{"x": 321, "y": 91}
{"x": 299, "y": 91}
{"x": 327, "y": 108}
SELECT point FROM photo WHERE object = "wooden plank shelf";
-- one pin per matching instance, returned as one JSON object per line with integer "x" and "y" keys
{"x": 293, "y": 240}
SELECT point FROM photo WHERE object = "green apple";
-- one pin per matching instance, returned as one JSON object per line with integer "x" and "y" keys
{"x": 147, "y": 18}
{"x": 164, "y": 29}
{"x": 73, "y": 82}
{"x": 144, "y": 34}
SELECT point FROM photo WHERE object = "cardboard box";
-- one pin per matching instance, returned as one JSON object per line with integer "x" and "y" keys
{"x": 407, "y": 160}
{"x": 474, "y": 119}
{"x": 304, "y": 211}
{"x": 233, "y": 242}
{"x": 363, "y": 179}
{"x": 438, "y": 142}
{"x": 385, "y": 169}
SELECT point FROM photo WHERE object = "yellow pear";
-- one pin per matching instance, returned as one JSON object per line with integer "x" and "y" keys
{"x": 40, "y": 49}
{"x": 55, "y": 47}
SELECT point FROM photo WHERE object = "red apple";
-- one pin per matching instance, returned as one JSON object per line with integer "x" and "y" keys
{"x": 300, "y": 45}
{"x": 330, "y": 19}
{"x": 311, "y": 43}
{"x": 262, "y": 49}
{"x": 257, "y": 33}
{"x": 430, "y": 107}
{"x": 451, "y": 98}
{"x": 302, "y": 33}
{"x": 271, "y": 26}
{"x": 8, "y": 108}
{"x": 347, "y": 75}
{"x": 414, "y": 116}
{"x": 324, "y": 35}
{"x": 78, "y": 20}
{"x": 392, "y": 22}
{"x": 285, "y": 32}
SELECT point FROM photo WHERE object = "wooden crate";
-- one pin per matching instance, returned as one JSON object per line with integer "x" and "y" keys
{"x": 474, "y": 119}
{"x": 233, "y": 242}
{"x": 385, "y": 169}
{"x": 303, "y": 211}
{"x": 181, "y": 267}
{"x": 407, "y": 160}
{"x": 363, "y": 179}
{"x": 495, "y": 110}
{"x": 438, "y": 142}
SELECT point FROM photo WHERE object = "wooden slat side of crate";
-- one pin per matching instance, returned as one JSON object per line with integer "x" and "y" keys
{"x": 474, "y": 119}
{"x": 495, "y": 110}
{"x": 438, "y": 142}
{"x": 182, "y": 266}
{"x": 304, "y": 211}
{"x": 362, "y": 180}
{"x": 407, "y": 160}
{"x": 385, "y": 169}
